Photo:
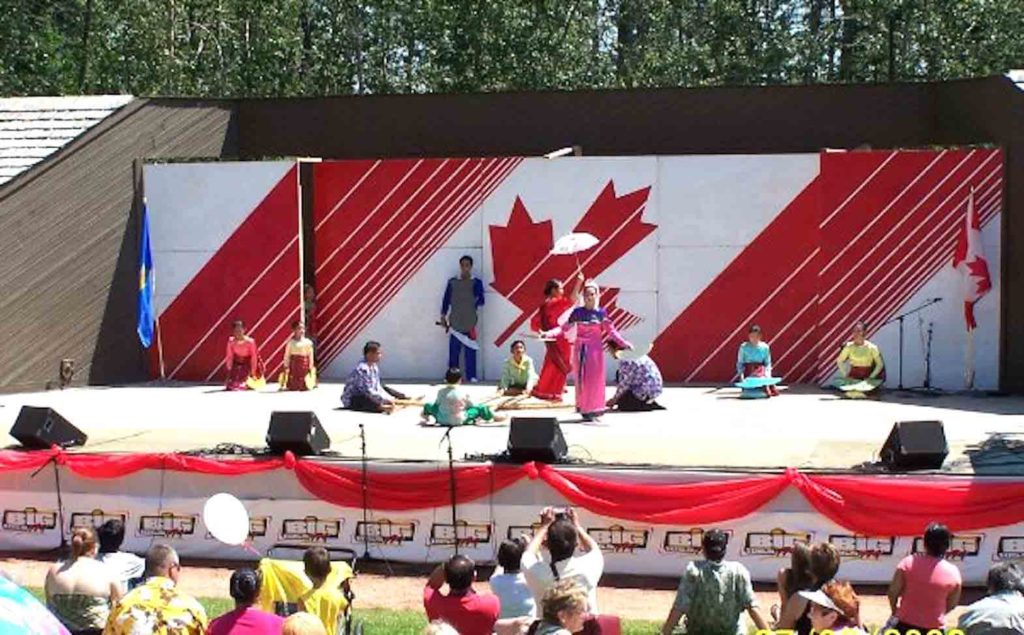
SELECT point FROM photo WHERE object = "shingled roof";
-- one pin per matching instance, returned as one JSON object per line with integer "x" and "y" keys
{"x": 33, "y": 128}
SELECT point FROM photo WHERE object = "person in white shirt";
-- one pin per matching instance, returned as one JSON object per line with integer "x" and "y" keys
{"x": 509, "y": 583}
{"x": 126, "y": 567}
{"x": 1001, "y": 612}
{"x": 561, "y": 534}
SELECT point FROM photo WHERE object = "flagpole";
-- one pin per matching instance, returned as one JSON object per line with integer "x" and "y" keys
{"x": 159, "y": 334}
{"x": 969, "y": 361}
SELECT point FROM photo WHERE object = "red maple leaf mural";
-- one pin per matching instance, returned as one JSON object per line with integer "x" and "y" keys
{"x": 520, "y": 251}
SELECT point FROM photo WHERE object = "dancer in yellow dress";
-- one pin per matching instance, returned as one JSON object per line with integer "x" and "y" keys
{"x": 860, "y": 364}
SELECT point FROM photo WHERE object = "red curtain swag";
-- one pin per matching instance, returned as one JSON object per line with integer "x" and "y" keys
{"x": 869, "y": 505}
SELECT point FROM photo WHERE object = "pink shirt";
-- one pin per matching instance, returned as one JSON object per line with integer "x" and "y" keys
{"x": 927, "y": 583}
{"x": 246, "y": 621}
{"x": 470, "y": 613}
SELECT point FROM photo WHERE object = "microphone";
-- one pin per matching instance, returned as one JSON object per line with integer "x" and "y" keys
{"x": 936, "y": 299}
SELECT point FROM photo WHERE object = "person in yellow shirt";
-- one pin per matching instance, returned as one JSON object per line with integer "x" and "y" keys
{"x": 299, "y": 370}
{"x": 326, "y": 602}
{"x": 860, "y": 362}
{"x": 157, "y": 606}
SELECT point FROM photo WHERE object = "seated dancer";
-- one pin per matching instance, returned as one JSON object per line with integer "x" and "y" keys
{"x": 363, "y": 388}
{"x": 245, "y": 368}
{"x": 639, "y": 384}
{"x": 299, "y": 372}
{"x": 557, "y": 360}
{"x": 860, "y": 361}
{"x": 587, "y": 327}
{"x": 517, "y": 375}
{"x": 755, "y": 360}
{"x": 453, "y": 407}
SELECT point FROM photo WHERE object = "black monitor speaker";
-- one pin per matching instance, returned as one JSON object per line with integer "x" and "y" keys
{"x": 536, "y": 439}
{"x": 299, "y": 432}
{"x": 915, "y": 445}
{"x": 40, "y": 428}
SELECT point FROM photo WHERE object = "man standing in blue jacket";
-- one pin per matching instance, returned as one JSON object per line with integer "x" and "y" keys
{"x": 462, "y": 297}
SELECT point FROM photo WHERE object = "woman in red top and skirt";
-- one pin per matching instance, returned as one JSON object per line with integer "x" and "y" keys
{"x": 245, "y": 368}
{"x": 553, "y": 313}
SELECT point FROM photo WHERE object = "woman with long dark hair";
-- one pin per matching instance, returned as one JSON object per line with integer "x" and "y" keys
{"x": 554, "y": 312}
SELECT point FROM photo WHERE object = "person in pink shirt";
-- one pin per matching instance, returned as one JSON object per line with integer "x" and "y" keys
{"x": 242, "y": 359}
{"x": 925, "y": 586}
{"x": 469, "y": 612}
{"x": 246, "y": 619}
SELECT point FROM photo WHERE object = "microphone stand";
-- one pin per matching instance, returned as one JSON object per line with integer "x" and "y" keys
{"x": 451, "y": 487}
{"x": 899, "y": 318}
{"x": 63, "y": 548}
{"x": 366, "y": 496}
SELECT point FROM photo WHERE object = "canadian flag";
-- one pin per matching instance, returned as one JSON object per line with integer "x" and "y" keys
{"x": 969, "y": 260}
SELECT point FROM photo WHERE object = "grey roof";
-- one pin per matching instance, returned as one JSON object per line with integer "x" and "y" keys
{"x": 33, "y": 128}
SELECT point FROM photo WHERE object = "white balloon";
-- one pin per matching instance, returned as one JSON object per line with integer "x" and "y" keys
{"x": 226, "y": 519}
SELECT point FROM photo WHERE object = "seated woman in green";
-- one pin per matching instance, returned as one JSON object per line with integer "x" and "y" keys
{"x": 860, "y": 363}
{"x": 453, "y": 407}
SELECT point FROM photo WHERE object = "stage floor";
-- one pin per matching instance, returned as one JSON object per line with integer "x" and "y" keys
{"x": 701, "y": 427}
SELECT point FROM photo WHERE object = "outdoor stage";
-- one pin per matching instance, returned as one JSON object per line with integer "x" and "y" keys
{"x": 703, "y": 427}
{"x": 769, "y": 471}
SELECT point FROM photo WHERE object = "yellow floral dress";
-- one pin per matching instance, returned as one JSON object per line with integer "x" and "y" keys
{"x": 157, "y": 608}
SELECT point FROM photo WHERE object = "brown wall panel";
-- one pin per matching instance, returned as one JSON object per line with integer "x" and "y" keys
{"x": 69, "y": 235}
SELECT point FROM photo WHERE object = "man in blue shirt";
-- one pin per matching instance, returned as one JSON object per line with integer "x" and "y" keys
{"x": 462, "y": 297}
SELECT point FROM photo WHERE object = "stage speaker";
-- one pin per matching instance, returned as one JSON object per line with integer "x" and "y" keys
{"x": 40, "y": 428}
{"x": 299, "y": 432}
{"x": 536, "y": 439}
{"x": 915, "y": 445}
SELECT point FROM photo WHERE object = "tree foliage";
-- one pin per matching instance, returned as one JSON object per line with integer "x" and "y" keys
{"x": 227, "y": 48}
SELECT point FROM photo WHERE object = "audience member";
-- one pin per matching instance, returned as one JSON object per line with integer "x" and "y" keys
{"x": 156, "y": 606}
{"x": 834, "y": 608}
{"x": 561, "y": 534}
{"x": 563, "y": 610}
{"x": 925, "y": 586}
{"x": 509, "y": 583}
{"x": 468, "y": 612}
{"x": 714, "y": 593}
{"x": 303, "y": 624}
{"x": 80, "y": 590}
{"x": 824, "y": 564}
{"x": 246, "y": 619}
{"x": 797, "y": 576}
{"x": 328, "y": 603}
{"x": 1002, "y": 611}
{"x": 437, "y": 627}
{"x": 128, "y": 567}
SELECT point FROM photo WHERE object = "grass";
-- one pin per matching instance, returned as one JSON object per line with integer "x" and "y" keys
{"x": 387, "y": 621}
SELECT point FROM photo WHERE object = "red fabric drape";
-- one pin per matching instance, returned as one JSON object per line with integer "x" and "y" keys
{"x": 403, "y": 490}
{"x": 871, "y": 505}
{"x": 686, "y": 503}
{"x": 899, "y": 506}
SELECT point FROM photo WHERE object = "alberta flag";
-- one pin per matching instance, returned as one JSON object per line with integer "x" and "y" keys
{"x": 969, "y": 260}
{"x": 146, "y": 315}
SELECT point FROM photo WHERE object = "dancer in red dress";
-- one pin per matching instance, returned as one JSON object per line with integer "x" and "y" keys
{"x": 558, "y": 360}
{"x": 245, "y": 368}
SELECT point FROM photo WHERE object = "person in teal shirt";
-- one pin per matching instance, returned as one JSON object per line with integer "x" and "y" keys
{"x": 453, "y": 407}
{"x": 755, "y": 360}
{"x": 518, "y": 375}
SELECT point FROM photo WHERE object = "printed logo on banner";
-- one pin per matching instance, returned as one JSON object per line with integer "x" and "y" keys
{"x": 311, "y": 529}
{"x": 29, "y": 520}
{"x": 960, "y": 547}
{"x": 385, "y": 532}
{"x": 619, "y": 539}
{"x": 258, "y": 528}
{"x": 167, "y": 525}
{"x": 463, "y": 533}
{"x": 860, "y": 547}
{"x": 96, "y": 518}
{"x": 1009, "y": 548}
{"x": 686, "y": 541}
{"x": 527, "y": 531}
{"x": 777, "y": 543}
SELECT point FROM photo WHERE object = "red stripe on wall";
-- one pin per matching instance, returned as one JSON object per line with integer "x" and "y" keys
{"x": 250, "y": 273}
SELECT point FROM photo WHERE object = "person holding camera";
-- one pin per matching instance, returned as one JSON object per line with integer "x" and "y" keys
{"x": 469, "y": 612}
{"x": 574, "y": 556}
